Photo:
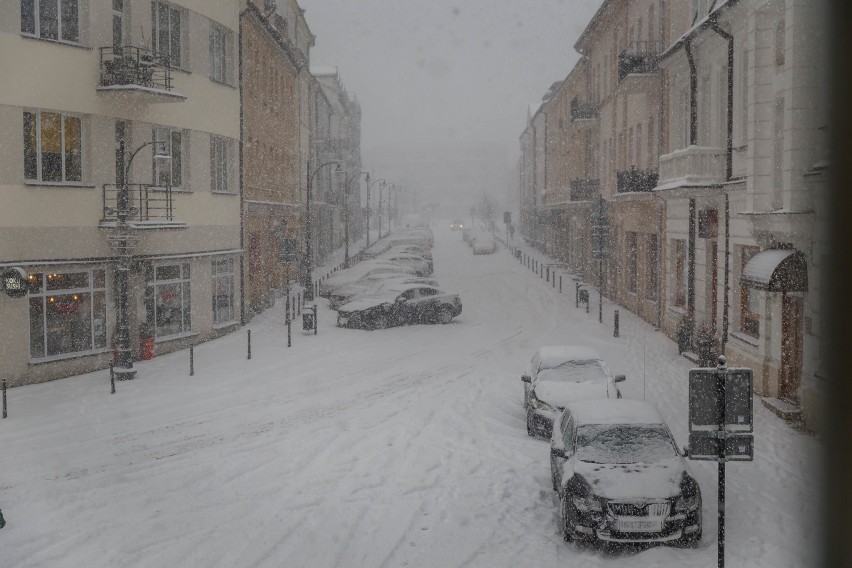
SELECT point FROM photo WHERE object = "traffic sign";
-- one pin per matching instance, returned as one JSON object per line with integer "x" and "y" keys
{"x": 703, "y": 399}
{"x": 705, "y": 446}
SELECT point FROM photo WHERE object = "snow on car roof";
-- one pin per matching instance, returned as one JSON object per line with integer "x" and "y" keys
{"x": 555, "y": 355}
{"x": 614, "y": 411}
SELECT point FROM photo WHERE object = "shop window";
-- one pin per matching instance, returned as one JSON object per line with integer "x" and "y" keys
{"x": 170, "y": 304}
{"x": 223, "y": 290}
{"x": 749, "y": 305}
{"x": 67, "y": 313}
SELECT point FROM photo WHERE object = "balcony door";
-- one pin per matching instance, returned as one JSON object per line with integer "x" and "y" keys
{"x": 117, "y": 25}
{"x": 792, "y": 309}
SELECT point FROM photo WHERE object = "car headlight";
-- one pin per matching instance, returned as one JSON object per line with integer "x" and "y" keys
{"x": 687, "y": 502}
{"x": 588, "y": 503}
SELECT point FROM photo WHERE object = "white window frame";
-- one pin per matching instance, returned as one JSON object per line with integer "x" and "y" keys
{"x": 155, "y": 32}
{"x": 45, "y": 294}
{"x": 223, "y": 269}
{"x": 220, "y": 151}
{"x": 62, "y": 116}
{"x": 219, "y": 44}
{"x": 185, "y": 302}
{"x": 171, "y": 164}
{"x": 36, "y": 4}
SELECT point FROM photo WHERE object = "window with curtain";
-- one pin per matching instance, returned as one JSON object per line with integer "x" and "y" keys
{"x": 53, "y": 147}
{"x": 218, "y": 53}
{"x": 749, "y": 306}
{"x": 170, "y": 300}
{"x": 219, "y": 164}
{"x": 168, "y": 172}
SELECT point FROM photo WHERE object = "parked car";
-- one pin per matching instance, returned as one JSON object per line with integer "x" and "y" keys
{"x": 413, "y": 303}
{"x": 620, "y": 477}
{"x": 373, "y": 284}
{"x": 456, "y": 225}
{"x": 562, "y": 374}
{"x": 484, "y": 244}
{"x": 420, "y": 265}
{"x": 355, "y": 273}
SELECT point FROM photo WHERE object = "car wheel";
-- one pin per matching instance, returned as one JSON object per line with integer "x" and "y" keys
{"x": 380, "y": 322}
{"x": 445, "y": 315}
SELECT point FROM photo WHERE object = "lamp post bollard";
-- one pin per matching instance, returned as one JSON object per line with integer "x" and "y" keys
{"x": 615, "y": 324}
{"x": 191, "y": 361}
{"x": 5, "y": 413}
{"x": 289, "y": 333}
{"x": 560, "y": 283}
{"x": 111, "y": 379}
{"x": 249, "y": 343}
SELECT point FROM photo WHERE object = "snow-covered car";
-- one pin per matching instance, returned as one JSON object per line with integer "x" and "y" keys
{"x": 413, "y": 303}
{"x": 484, "y": 244}
{"x": 456, "y": 225}
{"x": 620, "y": 477}
{"x": 355, "y": 273}
{"x": 373, "y": 284}
{"x": 561, "y": 374}
{"x": 420, "y": 265}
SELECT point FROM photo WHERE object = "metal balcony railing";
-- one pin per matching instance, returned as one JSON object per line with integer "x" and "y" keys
{"x": 583, "y": 109}
{"x": 585, "y": 189}
{"x": 633, "y": 180}
{"x": 135, "y": 66}
{"x": 640, "y": 57}
{"x": 146, "y": 203}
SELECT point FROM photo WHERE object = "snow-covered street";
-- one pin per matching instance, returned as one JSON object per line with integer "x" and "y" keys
{"x": 400, "y": 447}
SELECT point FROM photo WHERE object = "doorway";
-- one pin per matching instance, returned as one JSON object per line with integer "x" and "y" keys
{"x": 792, "y": 309}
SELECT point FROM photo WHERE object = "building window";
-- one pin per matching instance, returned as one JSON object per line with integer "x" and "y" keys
{"x": 51, "y": 19}
{"x": 679, "y": 271}
{"x": 223, "y": 290}
{"x": 219, "y": 53}
{"x": 67, "y": 313}
{"x": 53, "y": 147}
{"x": 780, "y": 40}
{"x": 219, "y": 164}
{"x": 653, "y": 253}
{"x": 170, "y": 305}
{"x": 168, "y": 172}
{"x": 166, "y": 31}
{"x": 117, "y": 24}
{"x": 632, "y": 262}
{"x": 749, "y": 306}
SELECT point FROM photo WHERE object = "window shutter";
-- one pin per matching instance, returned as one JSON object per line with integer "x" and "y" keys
{"x": 212, "y": 50}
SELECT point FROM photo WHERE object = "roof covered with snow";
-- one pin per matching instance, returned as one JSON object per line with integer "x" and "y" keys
{"x": 614, "y": 411}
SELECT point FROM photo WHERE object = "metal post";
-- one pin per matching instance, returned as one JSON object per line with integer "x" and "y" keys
{"x": 316, "y": 326}
{"x": 111, "y": 379}
{"x": 249, "y": 343}
{"x": 298, "y": 303}
{"x": 289, "y": 340}
{"x": 600, "y": 291}
{"x": 577, "y": 295}
{"x": 5, "y": 413}
{"x": 560, "y": 283}
{"x": 553, "y": 281}
{"x": 615, "y": 324}
{"x": 721, "y": 372}
{"x": 191, "y": 361}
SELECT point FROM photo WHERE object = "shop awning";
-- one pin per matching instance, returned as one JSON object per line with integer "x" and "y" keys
{"x": 776, "y": 271}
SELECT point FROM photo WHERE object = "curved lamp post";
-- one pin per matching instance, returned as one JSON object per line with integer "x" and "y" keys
{"x": 346, "y": 189}
{"x": 369, "y": 211}
{"x": 307, "y": 282}
{"x": 123, "y": 242}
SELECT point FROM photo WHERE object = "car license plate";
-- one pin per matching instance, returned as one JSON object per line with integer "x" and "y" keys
{"x": 639, "y": 526}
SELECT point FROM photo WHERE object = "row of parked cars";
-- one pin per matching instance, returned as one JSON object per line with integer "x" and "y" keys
{"x": 392, "y": 285}
{"x": 481, "y": 241}
{"x": 614, "y": 463}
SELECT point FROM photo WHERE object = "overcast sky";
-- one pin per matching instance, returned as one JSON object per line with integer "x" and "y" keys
{"x": 448, "y": 72}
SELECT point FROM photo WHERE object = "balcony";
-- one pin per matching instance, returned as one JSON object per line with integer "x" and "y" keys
{"x": 150, "y": 206}
{"x": 585, "y": 189}
{"x": 635, "y": 181}
{"x": 693, "y": 166}
{"x": 136, "y": 74}
{"x": 583, "y": 110}
{"x": 640, "y": 58}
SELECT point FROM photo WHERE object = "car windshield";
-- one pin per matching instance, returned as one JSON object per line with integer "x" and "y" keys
{"x": 573, "y": 372}
{"x": 624, "y": 443}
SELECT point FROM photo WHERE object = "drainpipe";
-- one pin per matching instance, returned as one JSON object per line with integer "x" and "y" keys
{"x": 729, "y": 173}
{"x": 242, "y": 196}
{"x": 693, "y": 94}
{"x": 661, "y": 211}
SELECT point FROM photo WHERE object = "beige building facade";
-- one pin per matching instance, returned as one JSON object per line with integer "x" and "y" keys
{"x": 79, "y": 82}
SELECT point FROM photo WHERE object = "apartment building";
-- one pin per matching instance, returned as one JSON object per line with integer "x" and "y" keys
{"x": 98, "y": 93}
{"x": 273, "y": 205}
{"x": 744, "y": 165}
{"x": 532, "y": 176}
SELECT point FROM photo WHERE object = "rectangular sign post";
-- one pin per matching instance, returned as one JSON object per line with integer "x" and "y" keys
{"x": 721, "y": 423}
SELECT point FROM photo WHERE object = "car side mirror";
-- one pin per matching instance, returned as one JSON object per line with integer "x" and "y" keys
{"x": 559, "y": 453}
{"x": 526, "y": 378}
{"x": 620, "y": 378}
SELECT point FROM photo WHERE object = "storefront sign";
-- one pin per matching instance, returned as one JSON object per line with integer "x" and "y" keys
{"x": 15, "y": 282}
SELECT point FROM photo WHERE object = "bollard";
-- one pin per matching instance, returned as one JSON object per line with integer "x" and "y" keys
{"x": 577, "y": 295}
{"x": 289, "y": 334}
{"x": 560, "y": 283}
{"x": 191, "y": 361}
{"x": 548, "y": 274}
{"x": 249, "y": 342}
{"x": 298, "y": 303}
{"x": 615, "y": 324}
{"x": 5, "y": 414}
{"x": 287, "y": 306}
{"x": 553, "y": 281}
{"x": 316, "y": 322}
{"x": 587, "y": 307}
{"x": 111, "y": 379}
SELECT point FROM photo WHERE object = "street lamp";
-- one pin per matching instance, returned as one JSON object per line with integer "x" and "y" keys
{"x": 307, "y": 283}
{"x": 123, "y": 242}
{"x": 346, "y": 189}
{"x": 369, "y": 211}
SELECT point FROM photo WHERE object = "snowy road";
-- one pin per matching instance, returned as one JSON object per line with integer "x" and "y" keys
{"x": 400, "y": 447}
